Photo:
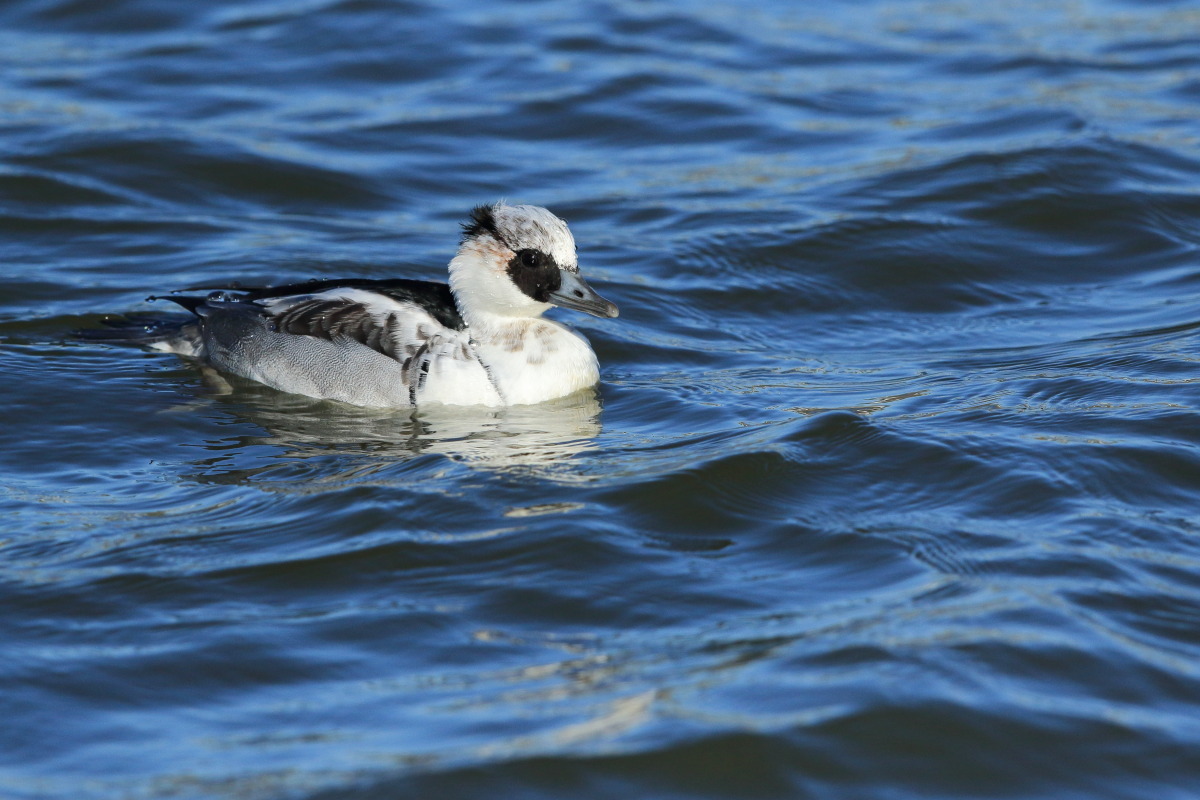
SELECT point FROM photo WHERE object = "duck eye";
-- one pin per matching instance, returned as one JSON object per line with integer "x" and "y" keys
{"x": 530, "y": 258}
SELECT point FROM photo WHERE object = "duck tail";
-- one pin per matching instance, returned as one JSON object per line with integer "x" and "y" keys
{"x": 168, "y": 334}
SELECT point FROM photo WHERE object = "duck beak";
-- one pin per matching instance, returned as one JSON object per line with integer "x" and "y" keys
{"x": 573, "y": 292}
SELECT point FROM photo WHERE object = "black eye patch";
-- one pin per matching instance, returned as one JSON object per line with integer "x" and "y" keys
{"x": 535, "y": 274}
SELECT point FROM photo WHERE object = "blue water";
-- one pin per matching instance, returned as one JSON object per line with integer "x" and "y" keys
{"x": 889, "y": 489}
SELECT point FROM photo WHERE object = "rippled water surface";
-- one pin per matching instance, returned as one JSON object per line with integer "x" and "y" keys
{"x": 889, "y": 489}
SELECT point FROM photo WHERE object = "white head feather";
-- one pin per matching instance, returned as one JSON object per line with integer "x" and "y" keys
{"x": 479, "y": 274}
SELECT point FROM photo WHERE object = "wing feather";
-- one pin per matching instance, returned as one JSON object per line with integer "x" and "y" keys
{"x": 413, "y": 324}
{"x": 391, "y": 327}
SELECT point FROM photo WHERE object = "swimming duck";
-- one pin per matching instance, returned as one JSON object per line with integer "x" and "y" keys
{"x": 481, "y": 340}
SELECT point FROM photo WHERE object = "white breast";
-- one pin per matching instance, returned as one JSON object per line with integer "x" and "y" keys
{"x": 534, "y": 360}
{"x": 450, "y": 372}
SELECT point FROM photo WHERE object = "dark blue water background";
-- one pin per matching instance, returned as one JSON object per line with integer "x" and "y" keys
{"x": 889, "y": 491}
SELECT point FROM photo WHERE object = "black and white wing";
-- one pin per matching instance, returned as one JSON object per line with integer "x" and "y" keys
{"x": 362, "y": 342}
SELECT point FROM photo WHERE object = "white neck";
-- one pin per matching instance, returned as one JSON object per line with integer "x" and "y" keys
{"x": 485, "y": 295}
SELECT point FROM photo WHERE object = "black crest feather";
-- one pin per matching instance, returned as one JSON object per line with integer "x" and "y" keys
{"x": 483, "y": 220}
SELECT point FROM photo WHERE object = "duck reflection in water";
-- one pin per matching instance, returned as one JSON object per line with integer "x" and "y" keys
{"x": 540, "y": 438}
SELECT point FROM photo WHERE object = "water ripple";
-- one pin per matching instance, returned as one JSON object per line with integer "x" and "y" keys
{"x": 887, "y": 490}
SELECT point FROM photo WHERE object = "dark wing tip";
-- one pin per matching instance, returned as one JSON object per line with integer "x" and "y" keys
{"x": 190, "y": 302}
